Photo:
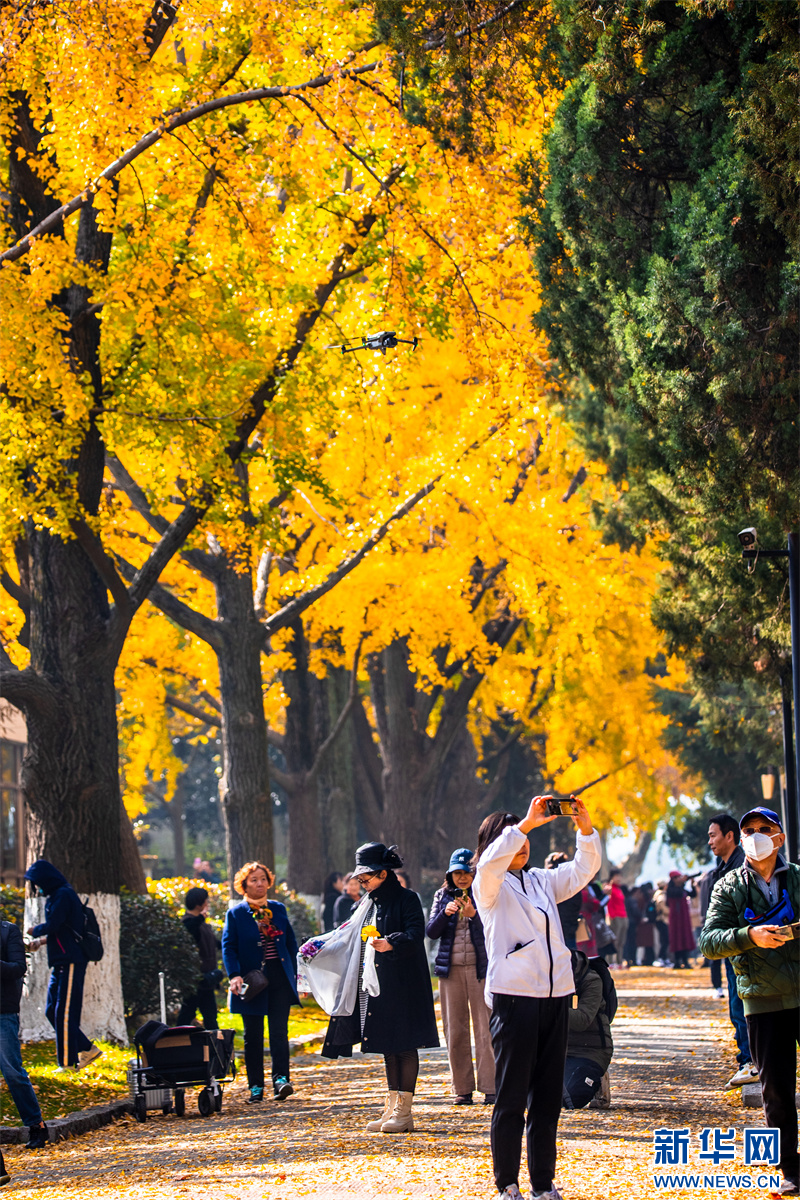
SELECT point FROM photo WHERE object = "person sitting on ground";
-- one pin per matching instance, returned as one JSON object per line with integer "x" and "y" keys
{"x": 461, "y": 968}
{"x": 203, "y": 997}
{"x": 529, "y": 983}
{"x": 332, "y": 890}
{"x": 13, "y": 967}
{"x": 589, "y": 1044}
{"x": 348, "y": 901}
{"x": 258, "y": 937}
{"x": 681, "y": 938}
{"x": 569, "y": 910}
{"x": 63, "y": 928}
{"x": 747, "y": 920}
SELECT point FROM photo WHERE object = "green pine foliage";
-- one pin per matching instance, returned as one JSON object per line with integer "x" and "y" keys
{"x": 663, "y": 236}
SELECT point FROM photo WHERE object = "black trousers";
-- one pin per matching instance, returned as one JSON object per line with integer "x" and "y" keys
{"x": 279, "y": 1001}
{"x": 581, "y": 1081}
{"x": 773, "y": 1037}
{"x": 203, "y": 1001}
{"x": 529, "y": 1037}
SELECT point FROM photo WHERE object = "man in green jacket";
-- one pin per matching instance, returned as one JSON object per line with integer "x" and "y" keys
{"x": 747, "y": 919}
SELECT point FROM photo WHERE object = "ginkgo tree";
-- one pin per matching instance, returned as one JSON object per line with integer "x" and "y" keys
{"x": 180, "y": 213}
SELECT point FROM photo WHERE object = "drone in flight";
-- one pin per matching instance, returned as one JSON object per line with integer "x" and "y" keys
{"x": 374, "y": 341}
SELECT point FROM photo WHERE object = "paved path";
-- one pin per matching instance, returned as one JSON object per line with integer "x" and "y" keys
{"x": 673, "y": 1054}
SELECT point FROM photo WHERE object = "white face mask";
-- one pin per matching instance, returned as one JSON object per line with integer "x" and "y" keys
{"x": 757, "y": 845}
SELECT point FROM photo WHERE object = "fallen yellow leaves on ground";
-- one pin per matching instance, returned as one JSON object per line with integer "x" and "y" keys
{"x": 673, "y": 1053}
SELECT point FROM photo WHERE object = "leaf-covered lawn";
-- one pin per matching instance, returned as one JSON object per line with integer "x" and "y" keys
{"x": 105, "y": 1079}
{"x": 674, "y": 1052}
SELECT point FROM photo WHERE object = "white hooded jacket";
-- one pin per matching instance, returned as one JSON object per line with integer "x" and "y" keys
{"x": 524, "y": 942}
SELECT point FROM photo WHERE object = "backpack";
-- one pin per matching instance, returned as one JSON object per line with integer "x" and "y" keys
{"x": 651, "y": 913}
{"x": 90, "y": 940}
{"x": 600, "y": 967}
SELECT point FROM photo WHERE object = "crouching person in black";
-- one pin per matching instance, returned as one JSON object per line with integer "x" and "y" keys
{"x": 589, "y": 1044}
{"x": 203, "y": 998}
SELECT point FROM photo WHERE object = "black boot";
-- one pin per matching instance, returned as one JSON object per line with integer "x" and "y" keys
{"x": 4, "y": 1177}
{"x": 37, "y": 1137}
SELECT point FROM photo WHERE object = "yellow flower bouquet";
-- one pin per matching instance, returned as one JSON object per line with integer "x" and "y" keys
{"x": 368, "y": 931}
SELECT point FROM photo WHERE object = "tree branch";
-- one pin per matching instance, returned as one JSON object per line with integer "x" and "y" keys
{"x": 179, "y": 612}
{"x": 26, "y": 690}
{"x": 284, "y": 616}
{"x": 192, "y": 710}
{"x": 102, "y": 563}
{"x": 16, "y": 592}
{"x": 167, "y": 125}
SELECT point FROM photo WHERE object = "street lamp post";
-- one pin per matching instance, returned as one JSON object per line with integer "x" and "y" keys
{"x": 791, "y": 745}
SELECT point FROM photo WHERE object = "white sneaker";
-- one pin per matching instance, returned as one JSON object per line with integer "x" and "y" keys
{"x": 65, "y": 1070}
{"x": 747, "y": 1073}
{"x": 719, "y": 994}
{"x": 787, "y": 1188}
{"x": 553, "y": 1194}
{"x": 511, "y": 1192}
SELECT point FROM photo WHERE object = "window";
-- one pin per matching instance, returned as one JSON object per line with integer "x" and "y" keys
{"x": 12, "y": 848}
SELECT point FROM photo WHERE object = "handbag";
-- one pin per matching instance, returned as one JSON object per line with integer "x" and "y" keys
{"x": 255, "y": 982}
{"x": 583, "y": 933}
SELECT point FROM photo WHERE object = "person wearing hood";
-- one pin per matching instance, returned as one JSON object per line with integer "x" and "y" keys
{"x": 589, "y": 1044}
{"x": 63, "y": 928}
{"x": 749, "y": 916}
{"x": 399, "y": 1020}
{"x": 461, "y": 967}
{"x": 203, "y": 997}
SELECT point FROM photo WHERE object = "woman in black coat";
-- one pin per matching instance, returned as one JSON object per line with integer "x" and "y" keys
{"x": 400, "y": 1020}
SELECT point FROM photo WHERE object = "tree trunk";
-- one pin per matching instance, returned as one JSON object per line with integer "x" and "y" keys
{"x": 336, "y": 783}
{"x": 131, "y": 871}
{"x": 176, "y": 820}
{"x": 244, "y": 789}
{"x": 305, "y": 865}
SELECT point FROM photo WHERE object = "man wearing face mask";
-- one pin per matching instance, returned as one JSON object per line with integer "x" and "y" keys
{"x": 723, "y": 840}
{"x": 747, "y": 919}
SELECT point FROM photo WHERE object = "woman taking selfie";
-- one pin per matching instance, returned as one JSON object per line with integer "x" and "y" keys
{"x": 461, "y": 967}
{"x": 258, "y": 944}
{"x": 529, "y": 982}
{"x": 399, "y": 1020}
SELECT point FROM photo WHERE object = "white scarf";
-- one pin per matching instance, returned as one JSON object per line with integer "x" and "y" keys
{"x": 332, "y": 973}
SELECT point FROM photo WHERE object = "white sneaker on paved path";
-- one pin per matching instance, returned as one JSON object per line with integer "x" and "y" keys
{"x": 719, "y": 994}
{"x": 747, "y": 1073}
{"x": 787, "y": 1188}
{"x": 553, "y": 1194}
{"x": 511, "y": 1192}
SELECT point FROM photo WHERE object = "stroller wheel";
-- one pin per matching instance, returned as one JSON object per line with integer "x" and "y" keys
{"x": 205, "y": 1103}
{"x": 140, "y": 1108}
{"x": 166, "y": 1108}
{"x": 180, "y": 1102}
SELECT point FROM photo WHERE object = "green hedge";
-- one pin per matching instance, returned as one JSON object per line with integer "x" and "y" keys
{"x": 152, "y": 939}
{"x": 12, "y": 904}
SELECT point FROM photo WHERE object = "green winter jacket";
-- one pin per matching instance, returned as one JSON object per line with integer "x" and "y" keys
{"x": 766, "y": 980}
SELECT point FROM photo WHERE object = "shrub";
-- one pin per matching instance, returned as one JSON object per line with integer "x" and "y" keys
{"x": 302, "y": 916}
{"x": 173, "y": 890}
{"x": 152, "y": 939}
{"x": 12, "y": 904}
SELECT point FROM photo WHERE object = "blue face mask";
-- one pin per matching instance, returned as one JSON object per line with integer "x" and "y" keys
{"x": 781, "y": 913}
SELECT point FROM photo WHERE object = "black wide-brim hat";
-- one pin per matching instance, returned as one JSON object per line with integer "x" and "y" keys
{"x": 374, "y": 856}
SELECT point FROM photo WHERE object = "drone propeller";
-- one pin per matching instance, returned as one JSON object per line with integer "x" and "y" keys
{"x": 387, "y": 340}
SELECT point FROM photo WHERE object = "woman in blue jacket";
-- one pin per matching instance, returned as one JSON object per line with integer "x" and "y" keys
{"x": 259, "y": 937}
{"x": 461, "y": 967}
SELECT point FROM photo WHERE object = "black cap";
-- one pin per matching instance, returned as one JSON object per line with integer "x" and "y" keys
{"x": 374, "y": 856}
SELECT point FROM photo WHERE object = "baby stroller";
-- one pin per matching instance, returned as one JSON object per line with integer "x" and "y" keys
{"x": 168, "y": 1060}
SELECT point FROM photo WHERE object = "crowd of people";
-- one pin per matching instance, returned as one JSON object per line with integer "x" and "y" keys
{"x": 523, "y": 962}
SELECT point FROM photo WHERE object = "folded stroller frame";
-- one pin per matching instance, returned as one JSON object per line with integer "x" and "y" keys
{"x": 168, "y": 1060}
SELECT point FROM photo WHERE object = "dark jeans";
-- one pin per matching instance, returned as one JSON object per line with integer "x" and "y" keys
{"x": 279, "y": 1000}
{"x": 63, "y": 1011}
{"x": 716, "y": 972}
{"x": 773, "y": 1037}
{"x": 529, "y": 1036}
{"x": 14, "y": 1073}
{"x": 736, "y": 1014}
{"x": 204, "y": 1001}
{"x": 581, "y": 1081}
